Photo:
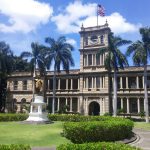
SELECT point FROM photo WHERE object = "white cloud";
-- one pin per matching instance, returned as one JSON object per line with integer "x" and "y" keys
{"x": 71, "y": 41}
{"x": 71, "y": 19}
{"x": 68, "y": 21}
{"x": 24, "y": 15}
{"x": 117, "y": 23}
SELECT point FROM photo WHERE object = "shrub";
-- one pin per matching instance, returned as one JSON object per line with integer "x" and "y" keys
{"x": 96, "y": 146}
{"x": 76, "y": 118}
{"x": 109, "y": 130}
{"x": 15, "y": 147}
{"x": 13, "y": 117}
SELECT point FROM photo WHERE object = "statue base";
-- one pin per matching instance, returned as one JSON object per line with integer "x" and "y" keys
{"x": 38, "y": 112}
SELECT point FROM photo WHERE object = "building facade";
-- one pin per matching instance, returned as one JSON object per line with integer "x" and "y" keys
{"x": 87, "y": 90}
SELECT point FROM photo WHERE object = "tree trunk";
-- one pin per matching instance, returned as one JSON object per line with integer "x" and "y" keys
{"x": 54, "y": 90}
{"x": 34, "y": 75}
{"x": 146, "y": 95}
{"x": 115, "y": 94}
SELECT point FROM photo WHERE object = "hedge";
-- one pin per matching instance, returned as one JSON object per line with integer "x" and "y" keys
{"x": 97, "y": 131}
{"x": 78, "y": 118}
{"x": 96, "y": 146}
{"x": 15, "y": 147}
{"x": 13, "y": 117}
{"x": 57, "y": 117}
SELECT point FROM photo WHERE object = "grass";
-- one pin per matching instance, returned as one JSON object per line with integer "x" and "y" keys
{"x": 34, "y": 135}
{"x": 142, "y": 125}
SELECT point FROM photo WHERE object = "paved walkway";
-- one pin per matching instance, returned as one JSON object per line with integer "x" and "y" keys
{"x": 144, "y": 139}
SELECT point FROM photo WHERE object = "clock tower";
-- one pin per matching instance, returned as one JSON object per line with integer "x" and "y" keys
{"x": 93, "y": 75}
{"x": 91, "y": 40}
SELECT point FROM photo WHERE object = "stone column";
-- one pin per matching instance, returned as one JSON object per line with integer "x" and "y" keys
{"x": 84, "y": 82}
{"x": 70, "y": 104}
{"x": 121, "y": 103}
{"x": 103, "y": 58}
{"x": 101, "y": 107}
{"x": 128, "y": 107}
{"x": 143, "y": 81}
{"x": 71, "y": 84}
{"x": 127, "y": 83}
{"x": 78, "y": 105}
{"x": 48, "y": 84}
{"x": 92, "y": 59}
{"x": 47, "y": 101}
{"x": 87, "y": 86}
{"x": 66, "y": 101}
{"x": 121, "y": 83}
{"x": 66, "y": 84}
{"x": 92, "y": 83}
{"x": 58, "y": 102}
{"x": 103, "y": 99}
{"x": 58, "y": 84}
{"x": 137, "y": 82}
{"x": 101, "y": 86}
{"x": 86, "y": 106}
{"x": 95, "y": 83}
{"x": 78, "y": 84}
{"x": 138, "y": 104}
{"x": 100, "y": 60}
{"x": 103, "y": 82}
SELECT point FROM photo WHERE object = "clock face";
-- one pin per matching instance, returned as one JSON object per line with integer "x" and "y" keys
{"x": 94, "y": 39}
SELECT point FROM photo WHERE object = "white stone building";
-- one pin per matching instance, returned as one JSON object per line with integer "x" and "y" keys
{"x": 87, "y": 90}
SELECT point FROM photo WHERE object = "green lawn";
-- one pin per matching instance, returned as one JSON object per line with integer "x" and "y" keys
{"x": 34, "y": 135}
{"x": 142, "y": 125}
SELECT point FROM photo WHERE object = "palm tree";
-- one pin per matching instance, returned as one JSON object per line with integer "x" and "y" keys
{"x": 113, "y": 60}
{"x": 59, "y": 53}
{"x": 6, "y": 65}
{"x": 20, "y": 64}
{"x": 37, "y": 59}
{"x": 141, "y": 53}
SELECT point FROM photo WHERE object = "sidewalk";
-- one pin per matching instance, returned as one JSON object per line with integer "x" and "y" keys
{"x": 144, "y": 139}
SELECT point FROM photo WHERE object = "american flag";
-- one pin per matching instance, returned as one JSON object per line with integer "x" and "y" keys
{"x": 100, "y": 10}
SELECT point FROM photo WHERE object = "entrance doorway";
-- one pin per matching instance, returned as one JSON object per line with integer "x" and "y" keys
{"x": 94, "y": 109}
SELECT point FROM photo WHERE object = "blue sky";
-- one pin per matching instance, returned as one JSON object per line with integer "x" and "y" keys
{"x": 26, "y": 21}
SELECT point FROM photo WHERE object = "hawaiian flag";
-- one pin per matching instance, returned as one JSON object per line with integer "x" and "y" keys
{"x": 100, "y": 10}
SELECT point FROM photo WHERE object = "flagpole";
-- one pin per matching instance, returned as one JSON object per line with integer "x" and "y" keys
{"x": 97, "y": 15}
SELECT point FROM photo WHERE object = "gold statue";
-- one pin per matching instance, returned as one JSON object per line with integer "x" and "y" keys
{"x": 38, "y": 85}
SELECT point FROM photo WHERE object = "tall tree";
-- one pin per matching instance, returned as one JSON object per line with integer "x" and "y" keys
{"x": 37, "y": 56}
{"x": 20, "y": 64}
{"x": 141, "y": 53}
{"x": 6, "y": 63}
{"x": 114, "y": 59}
{"x": 59, "y": 52}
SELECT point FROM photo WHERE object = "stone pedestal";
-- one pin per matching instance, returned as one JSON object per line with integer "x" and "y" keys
{"x": 38, "y": 112}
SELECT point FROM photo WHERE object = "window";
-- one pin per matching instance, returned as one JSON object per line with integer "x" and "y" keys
{"x": 89, "y": 82}
{"x": 85, "y": 60}
{"x": 97, "y": 60}
{"x": 86, "y": 41}
{"x": 15, "y": 85}
{"x": 94, "y": 59}
{"x": 132, "y": 82}
{"x": 102, "y": 39}
{"x": 90, "y": 59}
{"x": 24, "y": 84}
{"x": 97, "y": 82}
